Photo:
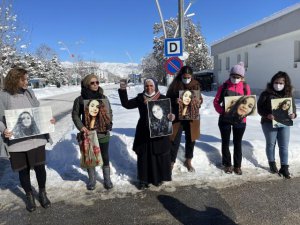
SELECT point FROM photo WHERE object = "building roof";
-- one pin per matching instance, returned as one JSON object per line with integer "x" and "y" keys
{"x": 260, "y": 22}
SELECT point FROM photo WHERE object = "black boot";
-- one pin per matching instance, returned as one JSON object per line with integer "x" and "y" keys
{"x": 106, "y": 174}
{"x": 284, "y": 171}
{"x": 143, "y": 185}
{"x": 45, "y": 202}
{"x": 92, "y": 179}
{"x": 273, "y": 167}
{"x": 30, "y": 202}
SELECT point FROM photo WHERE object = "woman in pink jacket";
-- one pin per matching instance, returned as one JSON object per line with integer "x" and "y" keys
{"x": 234, "y": 86}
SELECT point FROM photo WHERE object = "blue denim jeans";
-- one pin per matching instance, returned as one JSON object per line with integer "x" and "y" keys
{"x": 282, "y": 136}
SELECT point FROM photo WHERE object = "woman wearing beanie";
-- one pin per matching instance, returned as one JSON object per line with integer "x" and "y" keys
{"x": 153, "y": 154}
{"x": 184, "y": 81}
{"x": 279, "y": 87}
{"x": 234, "y": 86}
{"x": 92, "y": 93}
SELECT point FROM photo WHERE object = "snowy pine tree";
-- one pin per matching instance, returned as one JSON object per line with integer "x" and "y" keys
{"x": 199, "y": 57}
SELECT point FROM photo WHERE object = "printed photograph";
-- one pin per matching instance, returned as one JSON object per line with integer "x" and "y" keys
{"x": 96, "y": 114}
{"x": 29, "y": 122}
{"x": 158, "y": 112}
{"x": 281, "y": 109}
{"x": 239, "y": 107}
{"x": 189, "y": 105}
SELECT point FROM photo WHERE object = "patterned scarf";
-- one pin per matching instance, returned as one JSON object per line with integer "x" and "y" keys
{"x": 152, "y": 98}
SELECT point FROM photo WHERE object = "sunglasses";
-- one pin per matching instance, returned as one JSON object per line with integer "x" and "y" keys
{"x": 94, "y": 82}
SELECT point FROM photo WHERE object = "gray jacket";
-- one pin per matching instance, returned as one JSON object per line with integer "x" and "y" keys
{"x": 20, "y": 101}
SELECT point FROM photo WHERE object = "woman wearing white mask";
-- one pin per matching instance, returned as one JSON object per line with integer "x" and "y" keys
{"x": 234, "y": 86}
{"x": 279, "y": 87}
{"x": 184, "y": 81}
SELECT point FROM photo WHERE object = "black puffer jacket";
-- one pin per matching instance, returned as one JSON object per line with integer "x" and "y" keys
{"x": 264, "y": 106}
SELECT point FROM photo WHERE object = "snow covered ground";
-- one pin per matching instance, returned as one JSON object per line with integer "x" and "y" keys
{"x": 67, "y": 181}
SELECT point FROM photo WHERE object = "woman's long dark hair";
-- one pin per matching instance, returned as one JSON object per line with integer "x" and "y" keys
{"x": 193, "y": 107}
{"x": 283, "y": 103}
{"x": 288, "y": 88}
{"x": 233, "y": 109}
{"x": 177, "y": 83}
{"x": 102, "y": 120}
{"x": 21, "y": 131}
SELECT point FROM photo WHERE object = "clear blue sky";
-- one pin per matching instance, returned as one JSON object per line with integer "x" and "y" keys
{"x": 121, "y": 30}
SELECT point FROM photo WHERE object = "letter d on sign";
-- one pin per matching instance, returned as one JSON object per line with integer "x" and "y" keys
{"x": 173, "y": 47}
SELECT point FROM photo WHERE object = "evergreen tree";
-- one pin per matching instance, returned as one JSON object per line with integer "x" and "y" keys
{"x": 199, "y": 58}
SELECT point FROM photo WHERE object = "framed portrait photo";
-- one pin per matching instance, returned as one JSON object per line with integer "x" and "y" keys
{"x": 29, "y": 121}
{"x": 239, "y": 107}
{"x": 281, "y": 109}
{"x": 97, "y": 114}
{"x": 159, "y": 124}
{"x": 189, "y": 105}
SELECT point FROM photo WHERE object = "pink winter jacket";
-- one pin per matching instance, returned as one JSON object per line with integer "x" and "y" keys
{"x": 231, "y": 90}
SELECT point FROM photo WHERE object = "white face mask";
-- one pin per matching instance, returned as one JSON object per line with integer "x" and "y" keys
{"x": 278, "y": 87}
{"x": 235, "y": 81}
{"x": 150, "y": 95}
{"x": 186, "y": 81}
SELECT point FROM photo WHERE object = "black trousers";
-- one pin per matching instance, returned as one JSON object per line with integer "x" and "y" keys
{"x": 104, "y": 153}
{"x": 238, "y": 132}
{"x": 189, "y": 144}
{"x": 24, "y": 176}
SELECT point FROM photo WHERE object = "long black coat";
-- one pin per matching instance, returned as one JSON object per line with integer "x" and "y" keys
{"x": 159, "y": 145}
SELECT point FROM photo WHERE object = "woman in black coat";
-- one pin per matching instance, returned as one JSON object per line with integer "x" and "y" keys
{"x": 153, "y": 154}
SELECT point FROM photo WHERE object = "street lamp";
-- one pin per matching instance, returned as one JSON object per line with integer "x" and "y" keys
{"x": 65, "y": 48}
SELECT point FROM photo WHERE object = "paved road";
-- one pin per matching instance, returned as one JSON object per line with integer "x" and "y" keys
{"x": 265, "y": 203}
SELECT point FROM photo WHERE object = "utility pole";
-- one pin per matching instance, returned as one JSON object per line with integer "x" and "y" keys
{"x": 181, "y": 21}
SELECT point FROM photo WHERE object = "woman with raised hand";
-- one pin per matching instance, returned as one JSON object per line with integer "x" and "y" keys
{"x": 91, "y": 118}
{"x": 153, "y": 154}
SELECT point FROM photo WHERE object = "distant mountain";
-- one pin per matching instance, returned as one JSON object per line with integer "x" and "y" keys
{"x": 121, "y": 70}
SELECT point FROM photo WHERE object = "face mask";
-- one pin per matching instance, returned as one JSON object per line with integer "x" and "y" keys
{"x": 186, "y": 81}
{"x": 235, "y": 81}
{"x": 278, "y": 87}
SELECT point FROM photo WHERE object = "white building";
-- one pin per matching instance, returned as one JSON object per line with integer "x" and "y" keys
{"x": 266, "y": 47}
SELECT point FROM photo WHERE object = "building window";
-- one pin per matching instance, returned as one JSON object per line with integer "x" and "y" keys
{"x": 227, "y": 63}
{"x": 297, "y": 51}
{"x": 246, "y": 60}
{"x": 238, "y": 58}
{"x": 220, "y": 65}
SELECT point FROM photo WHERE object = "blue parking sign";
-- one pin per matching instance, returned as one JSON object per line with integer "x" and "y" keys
{"x": 173, "y": 47}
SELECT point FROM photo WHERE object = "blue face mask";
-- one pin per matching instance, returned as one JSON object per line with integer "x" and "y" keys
{"x": 186, "y": 80}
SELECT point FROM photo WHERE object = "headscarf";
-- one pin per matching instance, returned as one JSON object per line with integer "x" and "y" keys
{"x": 156, "y": 91}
